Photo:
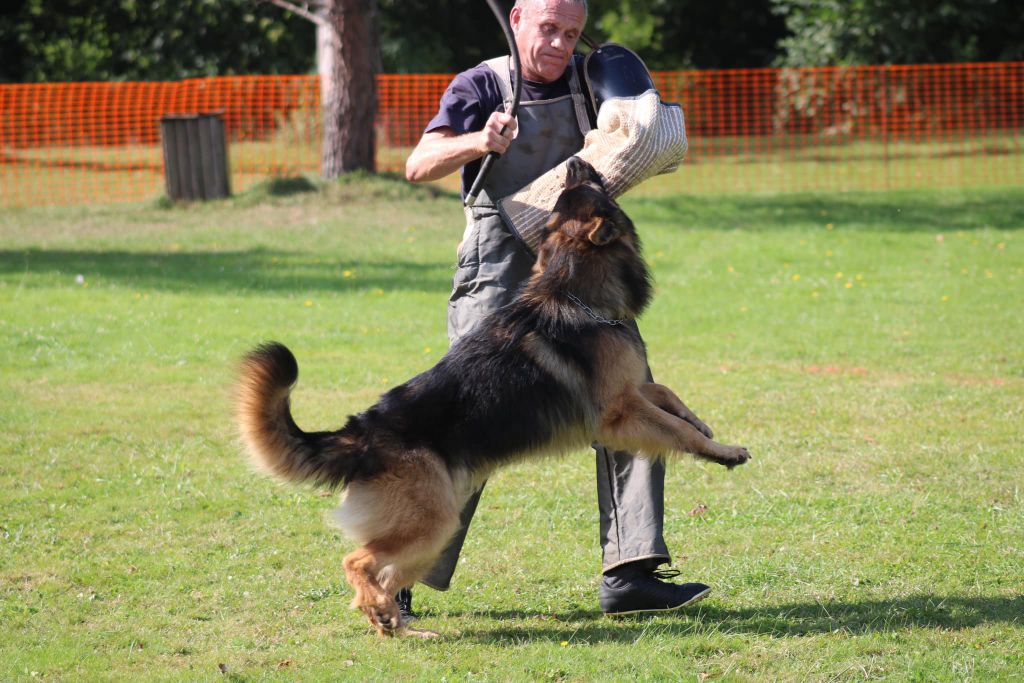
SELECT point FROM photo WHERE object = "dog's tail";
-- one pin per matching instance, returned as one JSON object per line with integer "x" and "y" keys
{"x": 275, "y": 443}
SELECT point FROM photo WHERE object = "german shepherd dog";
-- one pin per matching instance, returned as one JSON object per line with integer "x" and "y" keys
{"x": 559, "y": 368}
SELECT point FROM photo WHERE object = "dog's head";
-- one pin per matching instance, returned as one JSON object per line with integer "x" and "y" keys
{"x": 592, "y": 242}
{"x": 585, "y": 211}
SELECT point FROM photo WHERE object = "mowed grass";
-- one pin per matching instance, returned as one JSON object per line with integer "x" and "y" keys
{"x": 715, "y": 165}
{"x": 866, "y": 347}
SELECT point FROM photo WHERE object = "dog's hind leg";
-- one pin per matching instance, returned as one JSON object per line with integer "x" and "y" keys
{"x": 392, "y": 579}
{"x": 404, "y": 520}
{"x": 379, "y": 569}
{"x": 361, "y": 569}
{"x": 632, "y": 422}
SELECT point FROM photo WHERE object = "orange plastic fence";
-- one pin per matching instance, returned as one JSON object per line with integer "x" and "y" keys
{"x": 841, "y": 128}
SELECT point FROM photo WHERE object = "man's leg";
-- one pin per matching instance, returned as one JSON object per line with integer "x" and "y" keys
{"x": 631, "y": 502}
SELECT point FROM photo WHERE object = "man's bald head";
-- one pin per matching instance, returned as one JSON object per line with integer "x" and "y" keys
{"x": 546, "y": 32}
{"x": 522, "y": 4}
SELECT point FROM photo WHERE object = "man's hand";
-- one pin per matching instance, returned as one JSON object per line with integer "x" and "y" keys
{"x": 492, "y": 139}
{"x": 441, "y": 151}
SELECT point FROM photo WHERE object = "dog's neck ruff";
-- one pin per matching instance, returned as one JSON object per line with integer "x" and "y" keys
{"x": 589, "y": 311}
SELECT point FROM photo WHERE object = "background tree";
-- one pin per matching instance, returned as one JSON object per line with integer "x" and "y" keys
{"x": 437, "y": 36}
{"x": 349, "y": 59}
{"x": 835, "y": 32}
{"x": 692, "y": 34}
{"x": 66, "y": 40}
{"x": 84, "y": 40}
{"x": 449, "y": 35}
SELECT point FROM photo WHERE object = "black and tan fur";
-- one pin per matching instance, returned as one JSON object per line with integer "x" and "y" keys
{"x": 540, "y": 375}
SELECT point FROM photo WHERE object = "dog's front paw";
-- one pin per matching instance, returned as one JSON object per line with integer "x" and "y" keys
{"x": 733, "y": 456}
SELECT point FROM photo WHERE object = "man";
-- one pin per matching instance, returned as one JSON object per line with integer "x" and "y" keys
{"x": 493, "y": 262}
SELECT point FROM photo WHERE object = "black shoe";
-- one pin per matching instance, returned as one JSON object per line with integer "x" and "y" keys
{"x": 404, "y": 600}
{"x": 631, "y": 589}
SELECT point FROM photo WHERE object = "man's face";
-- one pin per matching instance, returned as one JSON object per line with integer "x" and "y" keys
{"x": 546, "y": 32}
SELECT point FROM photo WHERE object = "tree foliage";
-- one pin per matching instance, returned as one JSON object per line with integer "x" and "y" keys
{"x": 685, "y": 34}
{"x": 438, "y": 36}
{"x": 827, "y": 32}
{"x": 448, "y": 35}
{"x": 64, "y": 40}
{"x": 76, "y": 40}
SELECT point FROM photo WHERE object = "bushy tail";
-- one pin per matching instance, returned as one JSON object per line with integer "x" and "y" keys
{"x": 275, "y": 443}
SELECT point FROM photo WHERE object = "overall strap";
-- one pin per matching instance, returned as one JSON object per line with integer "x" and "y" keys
{"x": 502, "y": 68}
{"x": 579, "y": 101}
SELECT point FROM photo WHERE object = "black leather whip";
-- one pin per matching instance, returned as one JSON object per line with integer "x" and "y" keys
{"x": 517, "y": 86}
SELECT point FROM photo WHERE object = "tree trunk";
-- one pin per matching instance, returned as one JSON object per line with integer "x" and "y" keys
{"x": 348, "y": 78}
{"x": 325, "y": 58}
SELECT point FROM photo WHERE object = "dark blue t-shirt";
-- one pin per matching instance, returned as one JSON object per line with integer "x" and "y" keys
{"x": 474, "y": 94}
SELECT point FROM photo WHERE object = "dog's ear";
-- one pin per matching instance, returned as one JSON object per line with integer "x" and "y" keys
{"x": 544, "y": 250}
{"x": 601, "y": 231}
{"x": 541, "y": 264}
{"x": 579, "y": 172}
{"x": 554, "y": 221}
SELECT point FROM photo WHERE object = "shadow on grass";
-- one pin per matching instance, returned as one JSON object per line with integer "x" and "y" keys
{"x": 797, "y": 619}
{"x": 888, "y": 212}
{"x": 385, "y": 184}
{"x": 288, "y": 186}
{"x": 256, "y": 270}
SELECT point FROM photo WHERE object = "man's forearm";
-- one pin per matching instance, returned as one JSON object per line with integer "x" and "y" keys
{"x": 441, "y": 152}
{"x": 438, "y": 155}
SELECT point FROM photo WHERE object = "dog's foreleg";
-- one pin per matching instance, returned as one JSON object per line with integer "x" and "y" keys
{"x": 632, "y": 422}
{"x": 667, "y": 400}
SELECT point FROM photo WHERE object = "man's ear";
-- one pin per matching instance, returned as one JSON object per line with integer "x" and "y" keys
{"x": 602, "y": 231}
{"x": 514, "y": 17}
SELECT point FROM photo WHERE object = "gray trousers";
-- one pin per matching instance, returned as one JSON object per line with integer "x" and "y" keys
{"x": 493, "y": 263}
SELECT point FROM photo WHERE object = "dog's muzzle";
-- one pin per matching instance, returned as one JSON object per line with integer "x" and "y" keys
{"x": 636, "y": 138}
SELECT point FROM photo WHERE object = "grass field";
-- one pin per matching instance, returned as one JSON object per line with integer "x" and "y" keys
{"x": 866, "y": 347}
{"x": 715, "y": 165}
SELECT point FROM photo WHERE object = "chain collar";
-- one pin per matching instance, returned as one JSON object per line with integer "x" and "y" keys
{"x": 589, "y": 311}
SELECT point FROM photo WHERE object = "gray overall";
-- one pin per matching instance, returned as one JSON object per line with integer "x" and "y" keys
{"x": 492, "y": 264}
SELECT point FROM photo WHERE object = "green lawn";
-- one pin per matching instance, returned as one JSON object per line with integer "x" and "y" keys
{"x": 715, "y": 165}
{"x": 866, "y": 347}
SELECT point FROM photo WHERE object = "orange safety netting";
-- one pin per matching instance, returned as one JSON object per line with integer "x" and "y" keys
{"x": 840, "y": 128}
